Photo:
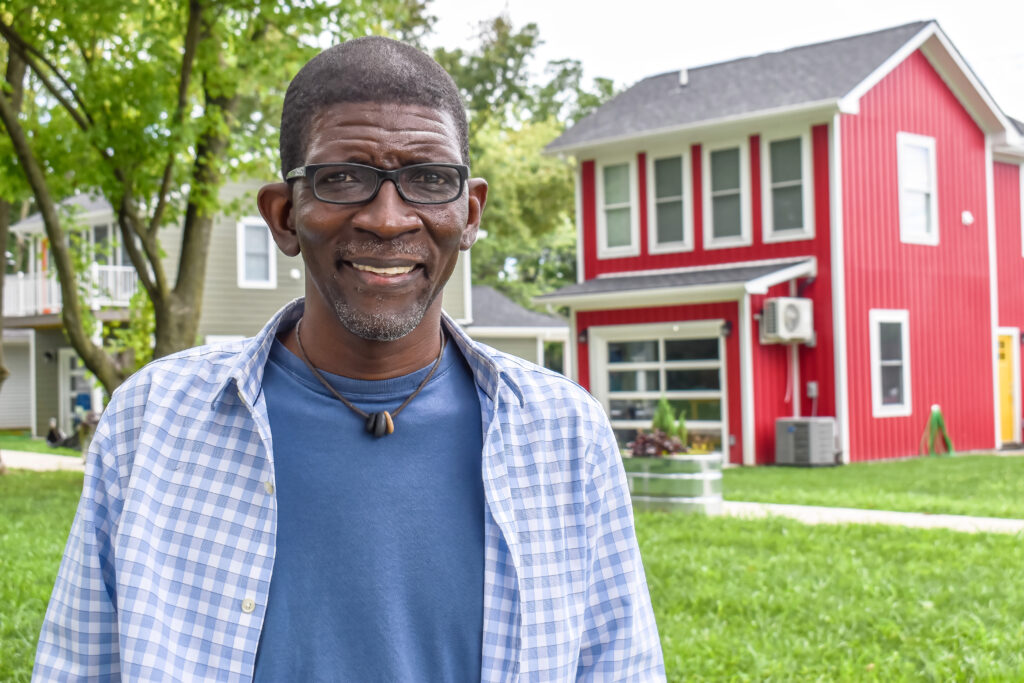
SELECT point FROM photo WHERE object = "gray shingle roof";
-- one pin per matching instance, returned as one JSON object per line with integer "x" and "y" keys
{"x": 493, "y": 309}
{"x": 1019, "y": 125}
{"x": 688, "y": 278}
{"x": 800, "y": 75}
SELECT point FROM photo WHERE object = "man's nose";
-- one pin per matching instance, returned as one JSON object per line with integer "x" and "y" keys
{"x": 387, "y": 215}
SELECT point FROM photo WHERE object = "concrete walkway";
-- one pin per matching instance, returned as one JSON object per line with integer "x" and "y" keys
{"x": 23, "y": 460}
{"x": 808, "y": 514}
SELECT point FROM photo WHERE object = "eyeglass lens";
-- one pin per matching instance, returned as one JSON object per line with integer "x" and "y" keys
{"x": 353, "y": 183}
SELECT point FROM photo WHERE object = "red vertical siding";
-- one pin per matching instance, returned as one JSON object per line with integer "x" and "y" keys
{"x": 1009, "y": 256}
{"x": 944, "y": 287}
{"x": 774, "y": 394}
{"x": 641, "y": 165}
{"x": 637, "y": 316}
{"x": 756, "y": 214}
{"x": 588, "y": 192}
{"x": 697, "y": 181}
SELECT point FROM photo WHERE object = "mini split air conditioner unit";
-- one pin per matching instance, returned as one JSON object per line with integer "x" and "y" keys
{"x": 786, "y": 320}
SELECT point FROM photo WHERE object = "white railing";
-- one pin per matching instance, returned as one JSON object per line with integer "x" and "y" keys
{"x": 39, "y": 293}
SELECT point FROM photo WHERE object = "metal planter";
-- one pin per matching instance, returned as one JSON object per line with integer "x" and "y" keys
{"x": 690, "y": 482}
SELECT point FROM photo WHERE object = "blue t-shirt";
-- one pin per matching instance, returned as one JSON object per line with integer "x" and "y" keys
{"x": 379, "y": 568}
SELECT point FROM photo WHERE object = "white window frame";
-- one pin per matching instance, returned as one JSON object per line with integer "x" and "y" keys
{"x": 243, "y": 282}
{"x": 653, "y": 245}
{"x": 633, "y": 248}
{"x": 876, "y": 316}
{"x": 806, "y": 232}
{"x": 745, "y": 238}
{"x": 907, "y": 236}
{"x": 600, "y": 336}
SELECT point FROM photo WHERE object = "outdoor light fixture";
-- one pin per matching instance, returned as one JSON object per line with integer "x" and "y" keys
{"x": 726, "y": 328}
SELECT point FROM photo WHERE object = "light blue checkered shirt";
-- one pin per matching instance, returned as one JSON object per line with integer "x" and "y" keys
{"x": 168, "y": 565}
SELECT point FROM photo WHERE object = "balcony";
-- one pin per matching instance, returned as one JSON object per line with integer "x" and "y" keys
{"x": 39, "y": 293}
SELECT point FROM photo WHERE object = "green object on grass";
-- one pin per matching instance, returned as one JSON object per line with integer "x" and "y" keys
{"x": 936, "y": 426}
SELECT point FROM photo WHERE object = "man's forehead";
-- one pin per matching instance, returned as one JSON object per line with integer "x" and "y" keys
{"x": 382, "y": 123}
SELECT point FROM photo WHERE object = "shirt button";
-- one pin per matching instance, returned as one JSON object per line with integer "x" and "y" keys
{"x": 248, "y": 605}
{"x": 269, "y": 486}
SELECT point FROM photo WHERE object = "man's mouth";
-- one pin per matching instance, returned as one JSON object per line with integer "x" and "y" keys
{"x": 390, "y": 270}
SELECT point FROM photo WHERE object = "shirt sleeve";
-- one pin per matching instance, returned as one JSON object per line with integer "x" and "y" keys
{"x": 620, "y": 637}
{"x": 79, "y": 638}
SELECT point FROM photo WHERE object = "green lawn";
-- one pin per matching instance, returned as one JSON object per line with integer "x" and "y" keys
{"x": 981, "y": 485}
{"x": 21, "y": 442}
{"x": 735, "y": 599}
{"x": 36, "y": 509}
{"x": 775, "y": 600}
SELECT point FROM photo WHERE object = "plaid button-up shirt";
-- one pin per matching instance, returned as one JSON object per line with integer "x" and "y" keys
{"x": 168, "y": 566}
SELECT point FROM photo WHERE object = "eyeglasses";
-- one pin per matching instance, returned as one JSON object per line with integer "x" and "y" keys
{"x": 358, "y": 183}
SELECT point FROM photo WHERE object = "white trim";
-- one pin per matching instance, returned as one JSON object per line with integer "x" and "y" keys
{"x": 806, "y": 232}
{"x": 573, "y": 341}
{"x": 745, "y": 237}
{"x": 540, "y": 351}
{"x": 841, "y": 374}
{"x": 761, "y": 285}
{"x": 467, "y": 289}
{"x": 851, "y": 100}
{"x": 1013, "y": 332}
{"x": 877, "y": 316}
{"x": 812, "y": 110}
{"x": 686, "y": 195}
{"x": 580, "y": 275}
{"x": 746, "y": 381}
{"x": 702, "y": 268}
{"x": 903, "y": 141}
{"x": 243, "y": 282}
{"x": 794, "y": 367}
{"x": 543, "y": 333}
{"x": 633, "y": 248}
{"x": 993, "y": 285}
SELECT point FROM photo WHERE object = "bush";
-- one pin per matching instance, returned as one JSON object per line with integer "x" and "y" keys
{"x": 654, "y": 444}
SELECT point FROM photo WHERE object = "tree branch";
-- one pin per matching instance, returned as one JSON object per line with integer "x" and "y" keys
{"x": 192, "y": 32}
{"x": 27, "y": 52}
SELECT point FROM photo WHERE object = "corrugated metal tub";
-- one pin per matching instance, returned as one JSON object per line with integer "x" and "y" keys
{"x": 691, "y": 482}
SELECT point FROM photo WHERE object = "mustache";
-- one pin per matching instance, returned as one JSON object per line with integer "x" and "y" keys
{"x": 381, "y": 249}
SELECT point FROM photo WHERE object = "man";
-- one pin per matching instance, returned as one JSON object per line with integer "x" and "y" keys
{"x": 360, "y": 492}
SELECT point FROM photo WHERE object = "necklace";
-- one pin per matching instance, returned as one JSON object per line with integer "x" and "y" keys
{"x": 378, "y": 423}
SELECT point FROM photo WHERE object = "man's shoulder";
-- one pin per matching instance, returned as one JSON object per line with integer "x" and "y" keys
{"x": 197, "y": 371}
{"x": 538, "y": 385}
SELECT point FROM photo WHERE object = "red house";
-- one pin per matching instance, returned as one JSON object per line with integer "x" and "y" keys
{"x": 832, "y": 230}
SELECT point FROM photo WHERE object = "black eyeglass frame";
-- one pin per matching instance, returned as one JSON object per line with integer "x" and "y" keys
{"x": 309, "y": 171}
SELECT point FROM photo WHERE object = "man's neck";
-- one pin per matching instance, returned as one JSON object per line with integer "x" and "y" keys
{"x": 332, "y": 348}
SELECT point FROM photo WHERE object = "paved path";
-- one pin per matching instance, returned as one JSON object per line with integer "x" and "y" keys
{"x": 23, "y": 460}
{"x": 807, "y": 514}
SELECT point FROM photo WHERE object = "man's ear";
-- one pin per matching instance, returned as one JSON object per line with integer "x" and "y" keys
{"x": 477, "y": 200}
{"x": 275, "y": 204}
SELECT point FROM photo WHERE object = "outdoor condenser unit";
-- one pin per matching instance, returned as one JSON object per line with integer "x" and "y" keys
{"x": 805, "y": 441}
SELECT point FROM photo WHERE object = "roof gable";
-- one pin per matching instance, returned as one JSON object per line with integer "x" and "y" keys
{"x": 832, "y": 74}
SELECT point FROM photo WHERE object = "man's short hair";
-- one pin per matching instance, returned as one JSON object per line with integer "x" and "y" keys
{"x": 369, "y": 69}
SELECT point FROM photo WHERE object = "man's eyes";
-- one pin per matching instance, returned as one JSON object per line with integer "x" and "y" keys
{"x": 338, "y": 177}
{"x": 429, "y": 177}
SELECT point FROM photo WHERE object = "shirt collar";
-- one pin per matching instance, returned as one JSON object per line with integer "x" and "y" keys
{"x": 246, "y": 369}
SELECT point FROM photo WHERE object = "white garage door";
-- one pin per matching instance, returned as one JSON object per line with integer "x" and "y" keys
{"x": 15, "y": 393}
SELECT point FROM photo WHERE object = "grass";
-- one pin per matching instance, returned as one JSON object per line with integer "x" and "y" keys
{"x": 774, "y": 600}
{"x": 36, "y": 509}
{"x": 23, "y": 442}
{"x": 745, "y": 600}
{"x": 985, "y": 486}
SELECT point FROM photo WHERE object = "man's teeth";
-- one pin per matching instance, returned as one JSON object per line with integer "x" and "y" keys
{"x": 393, "y": 270}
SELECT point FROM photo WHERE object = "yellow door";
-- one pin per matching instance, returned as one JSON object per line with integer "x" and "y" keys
{"x": 1006, "y": 387}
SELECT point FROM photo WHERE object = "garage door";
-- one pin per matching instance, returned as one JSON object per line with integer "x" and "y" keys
{"x": 15, "y": 393}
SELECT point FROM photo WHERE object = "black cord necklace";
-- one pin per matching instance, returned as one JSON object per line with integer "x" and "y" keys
{"x": 381, "y": 422}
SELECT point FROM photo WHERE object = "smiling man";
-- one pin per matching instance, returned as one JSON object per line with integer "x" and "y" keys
{"x": 360, "y": 492}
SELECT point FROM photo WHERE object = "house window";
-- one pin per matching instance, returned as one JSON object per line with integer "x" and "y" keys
{"x": 670, "y": 228}
{"x": 890, "y": 363}
{"x": 726, "y": 219}
{"x": 788, "y": 194}
{"x": 617, "y": 219}
{"x": 257, "y": 267}
{"x": 919, "y": 215}
{"x": 638, "y": 367}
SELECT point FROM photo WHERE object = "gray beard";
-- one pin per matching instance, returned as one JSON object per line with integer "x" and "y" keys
{"x": 379, "y": 326}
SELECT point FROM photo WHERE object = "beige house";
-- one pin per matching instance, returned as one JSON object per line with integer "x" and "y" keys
{"x": 247, "y": 281}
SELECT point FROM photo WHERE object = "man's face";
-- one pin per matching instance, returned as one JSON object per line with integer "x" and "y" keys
{"x": 379, "y": 266}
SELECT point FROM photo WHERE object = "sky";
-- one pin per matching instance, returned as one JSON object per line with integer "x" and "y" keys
{"x": 627, "y": 41}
